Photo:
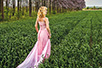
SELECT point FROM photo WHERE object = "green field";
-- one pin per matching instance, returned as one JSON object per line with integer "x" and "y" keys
{"x": 76, "y": 40}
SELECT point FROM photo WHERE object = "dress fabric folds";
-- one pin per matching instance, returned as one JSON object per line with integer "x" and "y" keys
{"x": 41, "y": 49}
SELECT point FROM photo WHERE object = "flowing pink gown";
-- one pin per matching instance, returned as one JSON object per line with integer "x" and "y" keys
{"x": 41, "y": 50}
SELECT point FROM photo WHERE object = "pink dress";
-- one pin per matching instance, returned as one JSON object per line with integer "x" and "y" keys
{"x": 41, "y": 49}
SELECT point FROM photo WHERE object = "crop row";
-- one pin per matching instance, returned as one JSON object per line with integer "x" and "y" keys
{"x": 75, "y": 51}
{"x": 75, "y": 43}
{"x": 18, "y": 38}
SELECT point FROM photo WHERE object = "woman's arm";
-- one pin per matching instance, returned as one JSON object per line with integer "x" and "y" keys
{"x": 36, "y": 25}
{"x": 47, "y": 25}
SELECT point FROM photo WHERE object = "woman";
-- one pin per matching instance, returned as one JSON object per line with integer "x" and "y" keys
{"x": 42, "y": 48}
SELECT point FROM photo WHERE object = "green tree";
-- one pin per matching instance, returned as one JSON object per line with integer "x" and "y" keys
{"x": 87, "y": 7}
{"x": 94, "y": 7}
{"x": 53, "y": 6}
{"x": 18, "y": 9}
{"x": 30, "y": 8}
{"x": 1, "y": 10}
{"x": 13, "y": 7}
{"x": 50, "y": 6}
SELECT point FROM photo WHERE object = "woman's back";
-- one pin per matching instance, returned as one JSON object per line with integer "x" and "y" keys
{"x": 42, "y": 24}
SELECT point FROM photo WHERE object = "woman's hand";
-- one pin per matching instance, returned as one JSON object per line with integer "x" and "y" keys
{"x": 49, "y": 36}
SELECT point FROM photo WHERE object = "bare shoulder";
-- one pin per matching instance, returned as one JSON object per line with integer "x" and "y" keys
{"x": 46, "y": 18}
{"x": 37, "y": 19}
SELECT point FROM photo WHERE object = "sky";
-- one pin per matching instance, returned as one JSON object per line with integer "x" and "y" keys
{"x": 93, "y": 2}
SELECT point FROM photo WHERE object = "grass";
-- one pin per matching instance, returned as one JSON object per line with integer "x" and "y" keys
{"x": 70, "y": 41}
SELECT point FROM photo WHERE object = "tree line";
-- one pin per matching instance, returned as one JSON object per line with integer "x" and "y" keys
{"x": 94, "y": 7}
{"x": 10, "y": 9}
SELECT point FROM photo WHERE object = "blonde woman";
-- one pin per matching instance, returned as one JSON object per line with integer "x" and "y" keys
{"x": 42, "y": 48}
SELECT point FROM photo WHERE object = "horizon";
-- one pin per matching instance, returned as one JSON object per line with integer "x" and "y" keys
{"x": 93, "y": 6}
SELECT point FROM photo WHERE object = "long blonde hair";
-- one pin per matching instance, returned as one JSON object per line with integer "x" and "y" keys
{"x": 41, "y": 11}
